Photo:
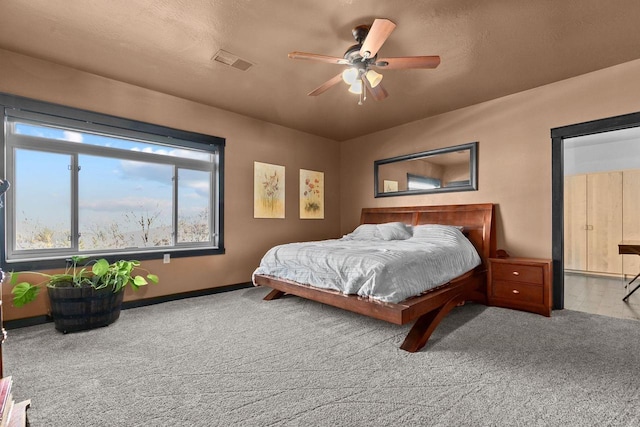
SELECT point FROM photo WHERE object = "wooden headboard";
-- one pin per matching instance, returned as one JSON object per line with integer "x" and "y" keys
{"x": 478, "y": 221}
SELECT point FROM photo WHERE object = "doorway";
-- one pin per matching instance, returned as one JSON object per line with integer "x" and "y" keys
{"x": 578, "y": 151}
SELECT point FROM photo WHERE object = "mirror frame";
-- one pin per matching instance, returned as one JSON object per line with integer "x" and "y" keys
{"x": 473, "y": 170}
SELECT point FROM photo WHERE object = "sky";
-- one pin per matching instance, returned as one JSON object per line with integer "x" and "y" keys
{"x": 110, "y": 189}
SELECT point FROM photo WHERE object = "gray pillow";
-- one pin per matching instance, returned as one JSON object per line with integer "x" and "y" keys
{"x": 394, "y": 231}
{"x": 436, "y": 231}
{"x": 365, "y": 232}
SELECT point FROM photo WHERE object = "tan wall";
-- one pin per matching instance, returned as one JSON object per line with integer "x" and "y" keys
{"x": 514, "y": 152}
{"x": 246, "y": 238}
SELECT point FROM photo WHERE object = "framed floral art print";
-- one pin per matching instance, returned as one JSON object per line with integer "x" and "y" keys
{"x": 311, "y": 194}
{"x": 268, "y": 190}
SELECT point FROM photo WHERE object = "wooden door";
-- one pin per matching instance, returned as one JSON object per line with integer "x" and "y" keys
{"x": 575, "y": 222}
{"x": 604, "y": 219}
{"x": 631, "y": 218}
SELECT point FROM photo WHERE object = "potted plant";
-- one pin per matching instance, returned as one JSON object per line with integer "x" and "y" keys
{"x": 83, "y": 297}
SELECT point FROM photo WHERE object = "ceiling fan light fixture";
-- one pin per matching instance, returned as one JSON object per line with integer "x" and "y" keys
{"x": 374, "y": 78}
{"x": 356, "y": 87}
{"x": 363, "y": 55}
{"x": 350, "y": 75}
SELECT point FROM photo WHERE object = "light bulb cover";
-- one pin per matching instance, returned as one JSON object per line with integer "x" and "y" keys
{"x": 374, "y": 78}
{"x": 350, "y": 75}
{"x": 356, "y": 87}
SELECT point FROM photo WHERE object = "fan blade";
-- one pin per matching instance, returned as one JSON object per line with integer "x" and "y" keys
{"x": 378, "y": 34}
{"x": 326, "y": 85}
{"x": 379, "y": 92}
{"x": 405, "y": 62}
{"x": 316, "y": 57}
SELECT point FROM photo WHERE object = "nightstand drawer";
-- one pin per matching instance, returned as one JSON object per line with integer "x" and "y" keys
{"x": 520, "y": 283}
{"x": 521, "y": 273}
{"x": 516, "y": 291}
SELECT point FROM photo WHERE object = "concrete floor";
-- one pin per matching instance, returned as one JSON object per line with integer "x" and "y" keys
{"x": 601, "y": 295}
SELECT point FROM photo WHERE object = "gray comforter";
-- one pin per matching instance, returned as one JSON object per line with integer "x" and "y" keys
{"x": 370, "y": 266}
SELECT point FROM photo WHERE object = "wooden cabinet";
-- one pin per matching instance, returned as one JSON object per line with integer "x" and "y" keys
{"x": 604, "y": 217}
{"x": 630, "y": 220}
{"x": 521, "y": 284}
{"x": 575, "y": 222}
{"x": 593, "y": 222}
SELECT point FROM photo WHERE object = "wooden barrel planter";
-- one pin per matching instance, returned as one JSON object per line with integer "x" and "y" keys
{"x": 81, "y": 308}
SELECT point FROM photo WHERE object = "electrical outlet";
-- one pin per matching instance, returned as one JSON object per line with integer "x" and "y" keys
{"x": 166, "y": 259}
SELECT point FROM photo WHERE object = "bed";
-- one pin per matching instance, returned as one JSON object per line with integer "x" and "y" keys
{"x": 429, "y": 308}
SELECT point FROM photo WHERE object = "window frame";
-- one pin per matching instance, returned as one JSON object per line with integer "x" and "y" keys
{"x": 26, "y": 109}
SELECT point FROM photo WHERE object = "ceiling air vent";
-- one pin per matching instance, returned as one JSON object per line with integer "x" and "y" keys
{"x": 231, "y": 60}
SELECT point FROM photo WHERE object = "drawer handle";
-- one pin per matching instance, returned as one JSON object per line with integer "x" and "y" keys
{"x": 515, "y": 291}
{"x": 515, "y": 273}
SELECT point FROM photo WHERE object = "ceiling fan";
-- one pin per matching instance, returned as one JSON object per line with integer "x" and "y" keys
{"x": 362, "y": 57}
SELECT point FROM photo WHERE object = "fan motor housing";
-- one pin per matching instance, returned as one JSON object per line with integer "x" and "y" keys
{"x": 360, "y": 33}
{"x": 353, "y": 53}
{"x": 353, "y": 56}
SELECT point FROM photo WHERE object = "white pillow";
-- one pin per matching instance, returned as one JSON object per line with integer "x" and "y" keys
{"x": 394, "y": 231}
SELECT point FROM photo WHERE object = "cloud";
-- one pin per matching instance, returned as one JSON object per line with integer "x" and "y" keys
{"x": 73, "y": 136}
{"x": 127, "y": 204}
{"x": 196, "y": 181}
{"x": 131, "y": 170}
{"x": 176, "y": 152}
{"x": 200, "y": 187}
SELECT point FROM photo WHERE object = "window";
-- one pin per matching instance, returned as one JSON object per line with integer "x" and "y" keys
{"x": 88, "y": 184}
{"x": 419, "y": 182}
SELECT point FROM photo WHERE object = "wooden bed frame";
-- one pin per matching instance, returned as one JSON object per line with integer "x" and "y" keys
{"x": 427, "y": 309}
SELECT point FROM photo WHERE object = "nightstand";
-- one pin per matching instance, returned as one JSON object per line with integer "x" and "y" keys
{"x": 521, "y": 284}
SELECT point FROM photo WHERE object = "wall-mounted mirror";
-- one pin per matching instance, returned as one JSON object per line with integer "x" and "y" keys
{"x": 434, "y": 171}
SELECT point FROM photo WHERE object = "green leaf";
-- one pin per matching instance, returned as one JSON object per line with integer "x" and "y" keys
{"x": 24, "y": 293}
{"x": 139, "y": 281}
{"x": 78, "y": 258}
{"x": 153, "y": 278}
{"x": 13, "y": 278}
{"x": 100, "y": 267}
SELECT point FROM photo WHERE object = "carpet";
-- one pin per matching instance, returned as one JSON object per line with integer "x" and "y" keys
{"x": 233, "y": 359}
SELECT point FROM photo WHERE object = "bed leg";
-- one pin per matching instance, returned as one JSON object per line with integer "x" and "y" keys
{"x": 426, "y": 324}
{"x": 274, "y": 294}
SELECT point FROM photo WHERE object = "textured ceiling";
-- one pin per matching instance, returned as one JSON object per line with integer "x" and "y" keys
{"x": 488, "y": 49}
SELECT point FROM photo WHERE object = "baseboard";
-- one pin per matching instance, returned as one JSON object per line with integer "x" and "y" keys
{"x": 27, "y": 321}
{"x": 192, "y": 294}
{"x": 38, "y": 320}
{"x": 596, "y": 274}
